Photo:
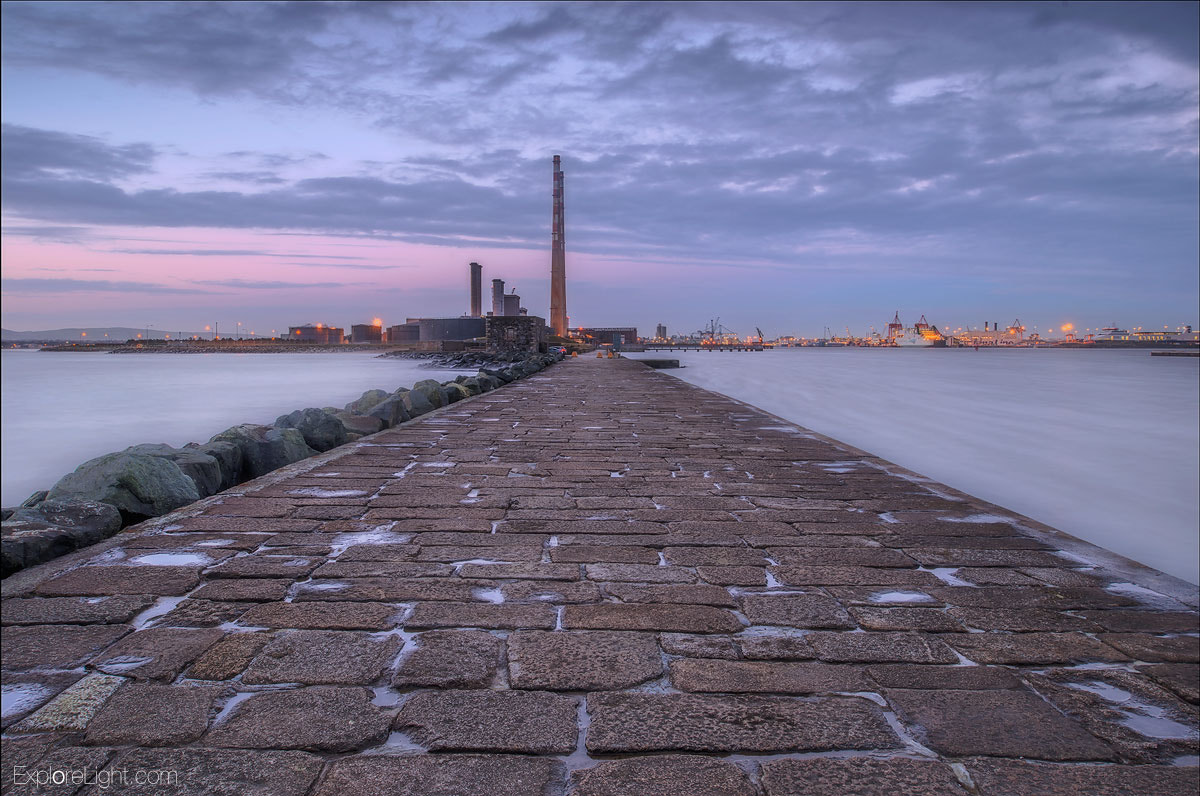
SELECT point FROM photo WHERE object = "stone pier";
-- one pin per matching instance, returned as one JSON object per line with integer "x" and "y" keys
{"x": 596, "y": 581}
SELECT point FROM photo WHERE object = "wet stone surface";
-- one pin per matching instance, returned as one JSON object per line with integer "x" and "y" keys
{"x": 450, "y": 659}
{"x": 595, "y": 581}
{"x": 581, "y": 661}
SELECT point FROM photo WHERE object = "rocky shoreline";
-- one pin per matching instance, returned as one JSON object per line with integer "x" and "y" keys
{"x": 120, "y": 489}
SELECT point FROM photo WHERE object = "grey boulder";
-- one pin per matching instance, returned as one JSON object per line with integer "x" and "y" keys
{"x": 228, "y": 456}
{"x": 416, "y": 403}
{"x": 392, "y": 411}
{"x": 321, "y": 430}
{"x": 136, "y": 484}
{"x": 361, "y": 425}
{"x": 203, "y": 468}
{"x": 51, "y": 529}
{"x": 432, "y": 390}
{"x": 455, "y": 392}
{"x": 367, "y": 401}
{"x": 265, "y": 448}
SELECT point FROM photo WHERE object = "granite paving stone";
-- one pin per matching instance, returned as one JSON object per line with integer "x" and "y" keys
{"x": 388, "y": 589}
{"x": 1122, "y": 621}
{"x": 698, "y": 646}
{"x": 1033, "y": 648}
{"x": 318, "y": 719}
{"x": 796, "y": 610}
{"x": 860, "y": 776}
{"x": 842, "y": 576}
{"x": 102, "y": 581}
{"x": 957, "y": 678}
{"x": 624, "y": 723}
{"x": 215, "y": 772}
{"x": 639, "y": 573}
{"x": 228, "y": 657}
{"x": 74, "y": 610}
{"x": 697, "y": 594}
{"x": 318, "y": 657}
{"x": 56, "y": 646}
{"x": 1000, "y": 723}
{"x": 881, "y": 647}
{"x": 484, "y": 615}
{"x": 649, "y": 616}
{"x": 492, "y": 721}
{"x": 244, "y": 590}
{"x": 145, "y": 714}
{"x": 663, "y": 775}
{"x": 155, "y": 653}
{"x": 1147, "y": 647}
{"x": 323, "y": 615}
{"x": 550, "y": 591}
{"x": 450, "y": 659}
{"x": 451, "y": 775}
{"x": 1181, "y": 678}
{"x": 762, "y": 677}
{"x": 1018, "y": 778}
{"x": 1022, "y": 620}
{"x": 581, "y": 661}
{"x": 931, "y": 620}
{"x": 263, "y": 566}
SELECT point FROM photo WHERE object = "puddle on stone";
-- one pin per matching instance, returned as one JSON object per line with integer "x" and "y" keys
{"x": 1141, "y": 717}
{"x": 323, "y": 586}
{"x": 171, "y": 560}
{"x": 317, "y": 492}
{"x": 946, "y": 575}
{"x": 380, "y": 535}
{"x": 123, "y": 663}
{"x": 163, "y": 605}
{"x": 17, "y": 698}
{"x": 493, "y": 595}
{"x": 900, "y": 597}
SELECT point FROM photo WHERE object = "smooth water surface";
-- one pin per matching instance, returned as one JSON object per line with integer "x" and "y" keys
{"x": 62, "y": 408}
{"x": 1102, "y": 444}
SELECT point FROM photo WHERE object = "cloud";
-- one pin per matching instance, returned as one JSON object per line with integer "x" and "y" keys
{"x": 31, "y": 153}
{"x": 56, "y": 286}
{"x": 250, "y": 284}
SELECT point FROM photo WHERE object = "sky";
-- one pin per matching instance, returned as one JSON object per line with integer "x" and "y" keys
{"x": 789, "y": 167}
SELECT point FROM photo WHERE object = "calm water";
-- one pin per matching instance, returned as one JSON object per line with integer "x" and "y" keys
{"x": 1100, "y": 444}
{"x": 61, "y": 409}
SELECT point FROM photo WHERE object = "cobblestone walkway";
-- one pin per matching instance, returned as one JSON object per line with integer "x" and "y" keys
{"x": 597, "y": 580}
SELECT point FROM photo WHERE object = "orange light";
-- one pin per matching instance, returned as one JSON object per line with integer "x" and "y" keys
{"x": 377, "y": 322}
{"x": 1066, "y": 327}
{"x": 297, "y": 331}
{"x": 318, "y": 326}
{"x": 83, "y": 334}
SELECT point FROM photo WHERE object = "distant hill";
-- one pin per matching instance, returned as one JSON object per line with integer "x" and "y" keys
{"x": 117, "y": 334}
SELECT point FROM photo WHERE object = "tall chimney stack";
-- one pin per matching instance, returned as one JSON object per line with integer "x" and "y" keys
{"x": 476, "y": 290}
{"x": 558, "y": 257}
{"x": 498, "y": 297}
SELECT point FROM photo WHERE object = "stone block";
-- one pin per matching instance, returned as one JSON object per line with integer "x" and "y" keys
{"x": 586, "y": 661}
{"x": 491, "y": 721}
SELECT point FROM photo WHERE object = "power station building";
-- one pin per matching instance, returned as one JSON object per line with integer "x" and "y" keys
{"x": 319, "y": 333}
{"x": 366, "y": 333}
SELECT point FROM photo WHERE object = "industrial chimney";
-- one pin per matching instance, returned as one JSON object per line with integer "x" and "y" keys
{"x": 498, "y": 297}
{"x": 476, "y": 290}
{"x": 558, "y": 257}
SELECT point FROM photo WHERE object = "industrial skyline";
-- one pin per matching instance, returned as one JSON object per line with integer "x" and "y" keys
{"x": 785, "y": 166}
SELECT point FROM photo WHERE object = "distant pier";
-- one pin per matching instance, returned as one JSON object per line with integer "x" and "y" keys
{"x": 600, "y": 580}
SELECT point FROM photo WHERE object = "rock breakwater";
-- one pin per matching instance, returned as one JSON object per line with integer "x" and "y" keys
{"x": 148, "y": 480}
